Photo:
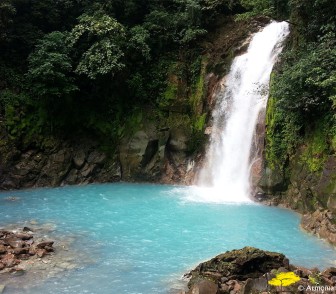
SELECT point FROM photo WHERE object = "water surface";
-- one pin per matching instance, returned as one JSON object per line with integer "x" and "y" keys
{"x": 144, "y": 237}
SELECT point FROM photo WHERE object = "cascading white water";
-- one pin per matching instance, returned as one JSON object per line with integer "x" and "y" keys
{"x": 227, "y": 166}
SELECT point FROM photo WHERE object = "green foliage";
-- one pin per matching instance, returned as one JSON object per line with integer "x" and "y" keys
{"x": 138, "y": 42}
{"x": 103, "y": 38}
{"x": 50, "y": 68}
{"x": 282, "y": 134}
{"x": 169, "y": 95}
{"x": 315, "y": 279}
{"x": 317, "y": 149}
{"x": 25, "y": 127}
{"x": 254, "y": 8}
{"x": 179, "y": 23}
{"x": 313, "y": 18}
{"x": 90, "y": 66}
{"x": 8, "y": 97}
{"x": 178, "y": 120}
{"x": 7, "y": 11}
{"x": 200, "y": 123}
{"x": 198, "y": 89}
{"x": 308, "y": 86}
{"x": 301, "y": 111}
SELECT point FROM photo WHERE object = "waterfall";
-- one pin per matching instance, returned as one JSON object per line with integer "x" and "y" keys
{"x": 243, "y": 96}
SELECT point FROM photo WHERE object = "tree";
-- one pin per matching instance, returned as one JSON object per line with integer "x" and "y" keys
{"x": 138, "y": 42}
{"x": 99, "y": 39}
{"x": 50, "y": 68}
{"x": 7, "y": 10}
{"x": 179, "y": 23}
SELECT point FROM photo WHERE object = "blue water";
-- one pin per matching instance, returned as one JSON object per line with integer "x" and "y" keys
{"x": 145, "y": 237}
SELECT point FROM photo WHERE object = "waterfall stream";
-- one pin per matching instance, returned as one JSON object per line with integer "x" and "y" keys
{"x": 243, "y": 96}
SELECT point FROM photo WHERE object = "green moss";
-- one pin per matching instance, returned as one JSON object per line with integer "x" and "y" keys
{"x": 282, "y": 130}
{"x": 316, "y": 150}
{"x": 171, "y": 89}
{"x": 134, "y": 122}
{"x": 199, "y": 123}
{"x": 169, "y": 95}
{"x": 198, "y": 90}
{"x": 179, "y": 120}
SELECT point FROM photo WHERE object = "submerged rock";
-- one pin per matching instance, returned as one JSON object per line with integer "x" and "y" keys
{"x": 23, "y": 268}
{"x": 16, "y": 246}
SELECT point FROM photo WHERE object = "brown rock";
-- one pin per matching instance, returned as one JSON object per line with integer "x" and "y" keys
{"x": 329, "y": 272}
{"x": 204, "y": 287}
{"x": 24, "y": 256}
{"x": 24, "y": 236}
{"x": 44, "y": 244}
{"x": 18, "y": 251}
{"x": 49, "y": 249}
{"x": 239, "y": 265}
{"x": 79, "y": 159}
{"x": 13, "y": 242}
{"x": 32, "y": 251}
{"x": 41, "y": 252}
{"x": 3, "y": 249}
{"x": 236, "y": 287}
{"x": 224, "y": 288}
{"x": 2, "y": 266}
{"x": 5, "y": 233}
{"x": 9, "y": 260}
{"x": 27, "y": 229}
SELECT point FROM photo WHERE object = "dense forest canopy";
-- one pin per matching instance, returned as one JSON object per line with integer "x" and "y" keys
{"x": 76, "y": 66}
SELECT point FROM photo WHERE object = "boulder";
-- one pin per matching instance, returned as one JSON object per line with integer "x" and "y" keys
{"x": 24, "y": 236}
{"x": 79, "y": 159}
{"x": 9, "y": 260}
{"x": 3, "y": 249}
{"x": 237, "y": 271}
{"x": 41, "y": 252}
{"x": 14, "y": 242}
{"x": 240, "y": 265}
{"x": 27, "y": 229}
{"x": 96, "y": 157}
{"x": 178, "y": 140}
{"x": 44, "y": 244}
{"x": 203, "y": 287}
{"x": 18, "y": 251}
{"x": 320, "y": 223}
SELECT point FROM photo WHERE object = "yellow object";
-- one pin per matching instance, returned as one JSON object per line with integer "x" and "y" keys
{"x": 284, "y": 279}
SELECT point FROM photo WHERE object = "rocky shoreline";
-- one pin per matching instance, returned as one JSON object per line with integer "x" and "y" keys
{"x": 251, "y": 270}
{"x": 30, "y": 253}
{"x": 16, "y": 246}
{"x": 321, "y": 222}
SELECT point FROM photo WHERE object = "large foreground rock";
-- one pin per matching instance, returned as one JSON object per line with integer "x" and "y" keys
{"x": 239, "y": 265}
{"x": 249, "y": 270}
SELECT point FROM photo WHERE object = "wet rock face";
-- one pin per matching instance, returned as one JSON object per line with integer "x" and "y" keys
{"x": 310, "y": 193}
{"x": 156, "y": 155}
{"x": 59, "y": 163}
{"x": 321, "y": 223}
{"x": 150, "y": 154}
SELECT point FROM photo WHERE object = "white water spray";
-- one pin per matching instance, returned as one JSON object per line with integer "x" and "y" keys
{"x": 244, "y": 95}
